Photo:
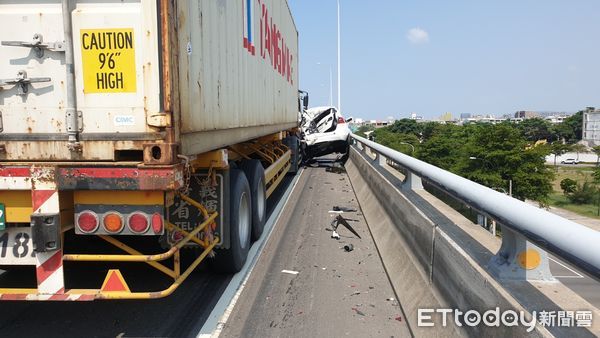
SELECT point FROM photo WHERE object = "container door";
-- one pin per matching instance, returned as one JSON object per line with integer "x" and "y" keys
{"x": 32, "y": 71}
{"x": 117, "y": 77}
{"x": 117, "y": 68}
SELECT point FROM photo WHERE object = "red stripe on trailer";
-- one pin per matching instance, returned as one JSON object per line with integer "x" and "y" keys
{"x": 50, "y": 266}
{"x": 10, "y": 296}
{"x": 115, "y": 173}
{"x": 15, "y": 172}
{"x": 39, "y": 197}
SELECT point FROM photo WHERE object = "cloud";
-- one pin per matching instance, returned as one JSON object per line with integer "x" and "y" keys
{"x": 417, "y": 36}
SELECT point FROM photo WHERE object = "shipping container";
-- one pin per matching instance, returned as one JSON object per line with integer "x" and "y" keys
{"x": 128, "y": 122}
{"x": 209, "y": 73}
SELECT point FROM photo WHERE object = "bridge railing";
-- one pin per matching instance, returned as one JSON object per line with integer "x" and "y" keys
{"x": 523, "y": 224}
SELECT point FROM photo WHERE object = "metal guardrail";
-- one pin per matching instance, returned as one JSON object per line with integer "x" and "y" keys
{"x": 568, "y": 240}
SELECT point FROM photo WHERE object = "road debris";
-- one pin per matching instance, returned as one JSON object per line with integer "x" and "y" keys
{"x": 291, "y": 272}
{"x": 348, "y": 247}
{"x": 358, "y": 312}
{"x": 343, "y": 209}
{"x": 335, "y": 235}
{"x": 341, "y": 220}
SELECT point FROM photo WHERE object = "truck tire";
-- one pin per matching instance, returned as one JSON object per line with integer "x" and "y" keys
{"x": 293, "y": 142}
{"x": 240, "y": 224}
{"x": 255, "y": 173}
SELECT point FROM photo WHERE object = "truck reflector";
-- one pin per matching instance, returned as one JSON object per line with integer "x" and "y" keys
{"x": 114, "y": 282}
{"x": 113, "y": 222}
{"x": 138, "y": 223}
{"x": 87, "y": 221}
{"x": 157, "y": 223}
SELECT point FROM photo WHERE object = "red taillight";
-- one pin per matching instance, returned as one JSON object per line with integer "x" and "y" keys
{"x": 341, "y": 120}
{"x": 157, "y": 223}
{"x": 87, "y": 221}
{"x": 138, "y": 223}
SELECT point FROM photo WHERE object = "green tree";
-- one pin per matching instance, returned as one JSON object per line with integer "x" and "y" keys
{"x": 578, "y": 148}
{"x": 443, "y": 147}
{"x": 558, "y": 148}
{"x": 571, "y": 128}
{"x": 396, "y": 141}
{"x": 568, "y": 186}
{"x": 596, "y": 150}
{"x": 406, "y": 126}
{"x": 536, "y": 129}
{"x": 584, "y": 194}
{"x": 493, "y": 155}
{"x": 363, "y": 129}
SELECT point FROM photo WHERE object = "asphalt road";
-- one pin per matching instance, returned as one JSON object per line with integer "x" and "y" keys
{"x": 305, "y": 284}
{"x": 586, "y": 287}
{"x": 180, "y": 315}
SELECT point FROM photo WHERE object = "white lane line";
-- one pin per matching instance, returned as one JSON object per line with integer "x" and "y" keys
{"x": 566, "y": 267}
{"x": 290, "y": 272}
{"x": 220, "y": 314}
{"x": 568, "y": 276}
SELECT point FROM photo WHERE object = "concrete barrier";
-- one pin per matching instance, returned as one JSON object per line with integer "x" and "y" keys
{"x": 436, "y": 259}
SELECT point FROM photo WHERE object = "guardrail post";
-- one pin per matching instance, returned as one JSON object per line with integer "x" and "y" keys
{"x": 412, "y": 181}
{"x": 519, "y": 259}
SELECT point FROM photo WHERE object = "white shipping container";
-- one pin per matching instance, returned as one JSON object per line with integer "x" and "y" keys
{"x": 202, "y": 74}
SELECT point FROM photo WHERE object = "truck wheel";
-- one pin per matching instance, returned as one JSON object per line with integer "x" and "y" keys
{"x": 293, "y": 142}
{"x": 240, "y": 224}
{"x": 255, "y": 173}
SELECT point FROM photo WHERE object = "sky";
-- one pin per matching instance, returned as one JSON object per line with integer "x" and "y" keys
{"x": 430, "y": 57}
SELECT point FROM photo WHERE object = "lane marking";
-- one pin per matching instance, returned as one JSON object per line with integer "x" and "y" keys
{"x": 566, "y": 267}
{"x": 290, "y": 272}
{"x": 213, "y": 326}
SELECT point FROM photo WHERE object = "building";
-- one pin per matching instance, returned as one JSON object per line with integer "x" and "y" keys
{"x": 526, "y": 114}
{"x": 591, "y": 126}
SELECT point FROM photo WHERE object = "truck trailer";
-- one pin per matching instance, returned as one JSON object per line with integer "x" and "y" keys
{"x": 130, "y": 122}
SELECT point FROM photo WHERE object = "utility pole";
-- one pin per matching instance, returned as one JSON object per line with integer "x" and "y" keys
{"x": 338, "y": 60}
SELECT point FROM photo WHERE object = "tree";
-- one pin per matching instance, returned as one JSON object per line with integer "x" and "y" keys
{"x": 396, "y": 141}
{"x": 571, "y": 128}
{"x": 363, "y": 129}
{"x": 558, "y": 148}
{"x": 568, "y": 186}
{"x": 493, "y": 155}
{"x": 583, "y": 194}
{"x": 406, "y": 126}
{"x": 536, "y": 129}
{"x": 596, "y": 150}
{"x": 578, "y": 148}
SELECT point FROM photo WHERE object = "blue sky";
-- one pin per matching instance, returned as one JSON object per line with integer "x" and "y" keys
{"x": 431, "y": 57}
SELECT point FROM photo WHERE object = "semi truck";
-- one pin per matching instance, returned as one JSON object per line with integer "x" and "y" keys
{"x": 130, "y": 122}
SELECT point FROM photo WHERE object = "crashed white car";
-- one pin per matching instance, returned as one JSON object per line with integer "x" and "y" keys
{"x": 324, "y": 131}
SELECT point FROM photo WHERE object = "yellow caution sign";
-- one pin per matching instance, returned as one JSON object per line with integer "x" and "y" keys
{"x": 108, "y": 58}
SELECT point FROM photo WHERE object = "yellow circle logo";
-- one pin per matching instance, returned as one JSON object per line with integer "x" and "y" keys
{"x": 529, "y": 259}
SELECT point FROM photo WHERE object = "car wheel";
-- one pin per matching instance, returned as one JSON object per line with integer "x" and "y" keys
{"x": 255, "y": 173}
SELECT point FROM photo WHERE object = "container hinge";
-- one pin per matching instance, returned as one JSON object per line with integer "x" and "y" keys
{"x": 38, "y": 45}
{"x": 22, "y": 82}
{"x": 70, "y": 120}
{"x": 159, "y": 120}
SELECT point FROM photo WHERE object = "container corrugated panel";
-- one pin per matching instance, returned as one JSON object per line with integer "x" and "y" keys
{"x": 238, "y": 73}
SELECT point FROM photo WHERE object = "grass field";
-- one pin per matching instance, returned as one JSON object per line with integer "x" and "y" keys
{"x": 558, "y": 199}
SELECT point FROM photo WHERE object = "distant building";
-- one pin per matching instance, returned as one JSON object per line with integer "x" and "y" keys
{"x": 446, "y": 117}
{"x": 591, "y": 126}
{"x": 526, "y": 114}
{"x": 414, "y": 116}
{"x": 464, "y": 116}
{"x": 555, "y": 118}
